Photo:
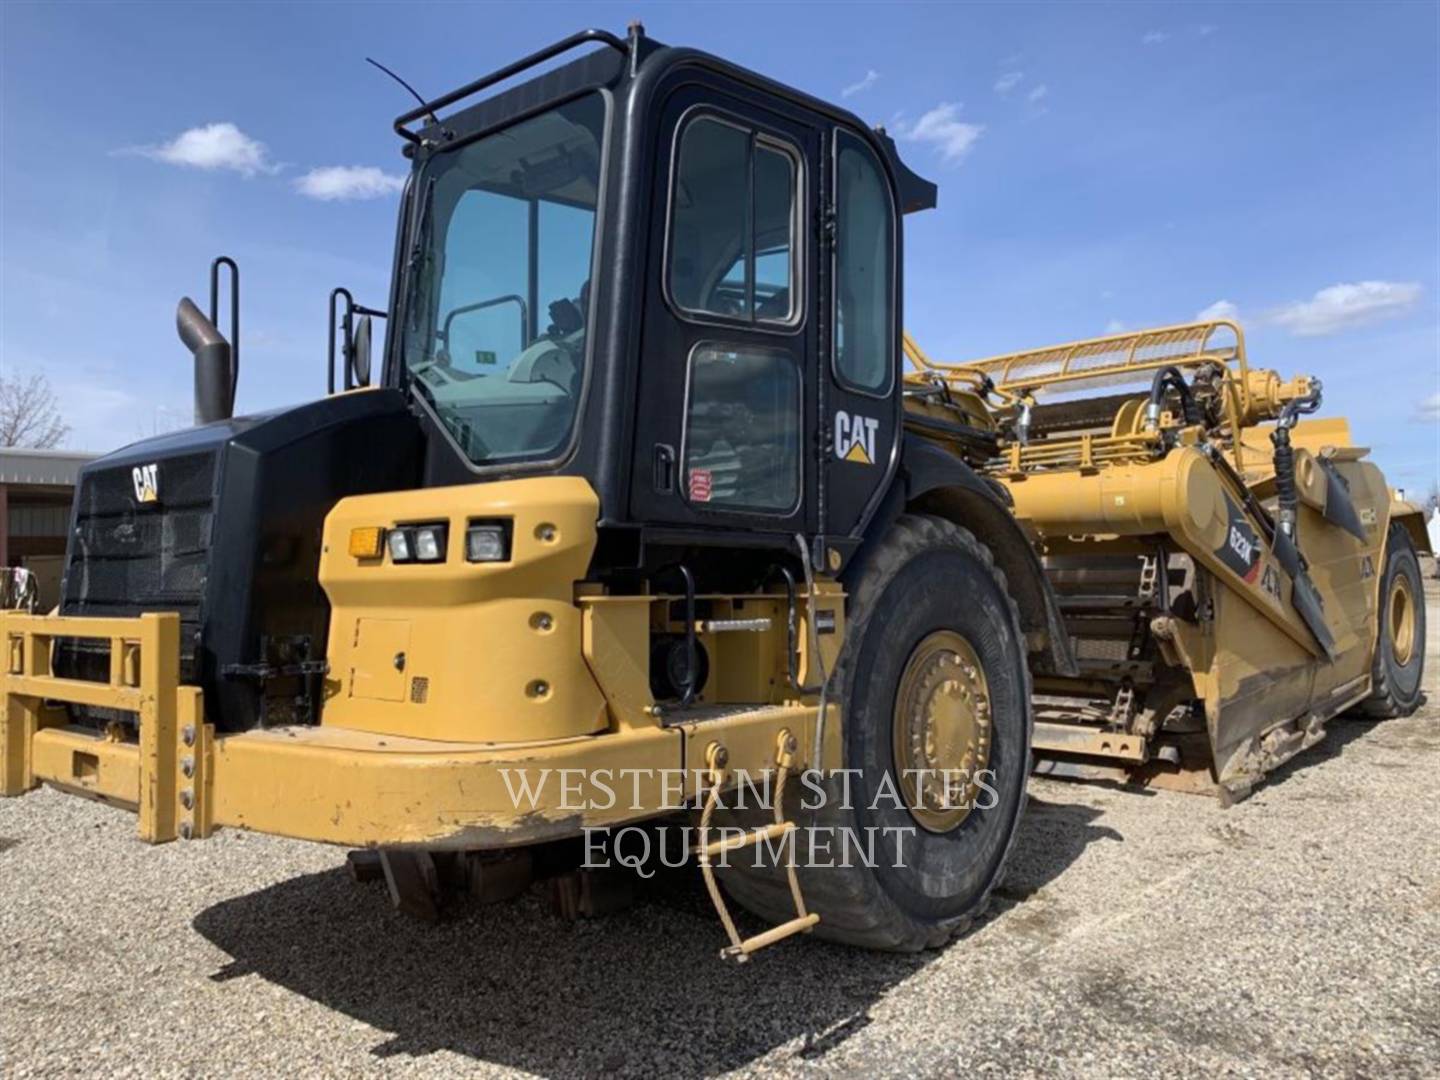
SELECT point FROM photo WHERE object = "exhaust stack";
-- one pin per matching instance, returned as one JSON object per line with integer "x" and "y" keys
{"x": 214, "y": 374}
{"x": 217, "y": 361}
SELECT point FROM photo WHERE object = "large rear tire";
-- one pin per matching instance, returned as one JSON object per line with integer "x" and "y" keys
{"x": 1399, "y": 664}
{"x": 932, "y": 675}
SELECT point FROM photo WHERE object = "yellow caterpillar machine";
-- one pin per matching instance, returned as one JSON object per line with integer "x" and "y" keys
{"x": 1230, "y": 577}
{"x": 641, "y": 505}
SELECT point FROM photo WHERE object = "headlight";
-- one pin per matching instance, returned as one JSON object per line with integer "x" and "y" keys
{"x": 487, "y": 542}
{"x": 430, "y": 543}
{"x": 399, "y": 541}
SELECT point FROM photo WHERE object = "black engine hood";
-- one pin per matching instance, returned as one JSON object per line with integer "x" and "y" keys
{"x": 285, "y": 423}
{"x": 222, "y": 524}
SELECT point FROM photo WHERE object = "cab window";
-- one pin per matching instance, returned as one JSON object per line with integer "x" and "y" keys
{"x": 864, "y": 269}
{"x": 742, "y": 429}
{"x": 732, "y": 224}
{"x": 498, "y": 283}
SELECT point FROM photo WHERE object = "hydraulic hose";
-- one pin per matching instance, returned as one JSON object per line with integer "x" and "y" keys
{"x": 1287, "y": 498}
{"x": 1171, "y": 378}
{"x": 1285, "y": 493}
{"x": 817, "y": 761}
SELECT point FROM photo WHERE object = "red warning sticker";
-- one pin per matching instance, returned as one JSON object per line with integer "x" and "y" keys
{"x": 699, "y": 485}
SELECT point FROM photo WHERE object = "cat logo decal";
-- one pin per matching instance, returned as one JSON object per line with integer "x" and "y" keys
{"x": 855, "y": 437}
{"x": 147, "y": 483}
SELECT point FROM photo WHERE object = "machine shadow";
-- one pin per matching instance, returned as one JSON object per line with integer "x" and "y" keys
{"x": 1052, "y": 836}
{"x": 634, "y": 993}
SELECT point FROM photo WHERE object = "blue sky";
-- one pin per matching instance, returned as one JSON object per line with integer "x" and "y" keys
{"x": 1099, "y": 166}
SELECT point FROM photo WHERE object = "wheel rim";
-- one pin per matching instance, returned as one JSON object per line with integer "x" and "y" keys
{"x": 941, "y": 730}
{"x": 1401, "y": 619}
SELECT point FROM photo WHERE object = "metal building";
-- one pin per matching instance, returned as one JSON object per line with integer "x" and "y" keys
{"x": 36, "y": 488}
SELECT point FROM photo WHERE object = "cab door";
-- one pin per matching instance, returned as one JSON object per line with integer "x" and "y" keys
{"x": 726, "y": 434}
{"x": 861, "y": 384}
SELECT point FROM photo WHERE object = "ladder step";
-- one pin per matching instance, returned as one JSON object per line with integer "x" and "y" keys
{"x": 769, "y": 937}
{"x": 1099, "y": 603}
{"x": 717, "y": 626}
{"x": 734, "y": 843}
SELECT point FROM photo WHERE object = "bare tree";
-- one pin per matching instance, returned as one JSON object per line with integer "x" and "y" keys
{"x": 30, "y": 413}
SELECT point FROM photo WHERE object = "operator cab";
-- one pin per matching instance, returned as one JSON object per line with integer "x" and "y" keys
{"x": 668, "y": 275}
{"x": 645, "y": 268}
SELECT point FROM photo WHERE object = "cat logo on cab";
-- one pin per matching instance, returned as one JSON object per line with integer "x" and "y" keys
{"x": 147, "y": 483}
{"x": 855, "y": 437}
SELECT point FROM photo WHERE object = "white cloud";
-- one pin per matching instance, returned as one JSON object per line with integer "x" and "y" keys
{"x": 1220, "y": 309}
{"x": 1340, "y": 307}
{"x": 871, "y": 78}
{"x": 347, "y": 182}
{"x": 1037, "y": 94}
{"x": 1155, "y": 37}
{"x": 1114, "y": 326}
{"x": 1429, "y": 409}
{"x": 1205, "y": 29}
{"x": 1008, "y": 82}
{"x": 213, "y": 146}
{"x": 943, "y": 129}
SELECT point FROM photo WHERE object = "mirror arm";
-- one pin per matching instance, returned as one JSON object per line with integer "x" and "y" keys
{"x": 336, "y": 294}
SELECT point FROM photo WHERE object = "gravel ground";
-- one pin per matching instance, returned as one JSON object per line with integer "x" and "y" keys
{"x": 1137, "y": 934}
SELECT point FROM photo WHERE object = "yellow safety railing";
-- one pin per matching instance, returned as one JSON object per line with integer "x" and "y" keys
{"x": 163, "y": 771}
{"x": 1083, "y": 452}
{"x": 1116, "y": 358}
{"x": 928, "y": 371}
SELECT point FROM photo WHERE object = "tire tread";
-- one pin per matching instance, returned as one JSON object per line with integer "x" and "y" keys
{"x": 1385, "y": 701}
{"x": 854, "y": 908}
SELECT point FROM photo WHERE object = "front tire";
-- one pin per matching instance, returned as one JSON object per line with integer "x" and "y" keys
{"x": 932, "y": 676}
{"x": 1399, "y": 663}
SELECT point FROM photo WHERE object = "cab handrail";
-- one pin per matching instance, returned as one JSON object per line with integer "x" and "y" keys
{"x": 584, "y": 37}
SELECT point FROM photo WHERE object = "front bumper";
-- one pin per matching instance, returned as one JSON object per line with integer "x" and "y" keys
{"x": 328, "y": 784}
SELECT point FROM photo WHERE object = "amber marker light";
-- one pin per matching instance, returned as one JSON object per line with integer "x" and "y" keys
{"x": 367, "y": 542}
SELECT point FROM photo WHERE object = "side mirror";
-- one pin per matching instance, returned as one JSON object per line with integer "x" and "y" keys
{"x": 354, "y": 343}
{"x": 360, "y": 352}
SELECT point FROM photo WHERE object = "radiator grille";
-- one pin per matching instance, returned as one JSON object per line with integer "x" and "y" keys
{"x": 127, "y": 558}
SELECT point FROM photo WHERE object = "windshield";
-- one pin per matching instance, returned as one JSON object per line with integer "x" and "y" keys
{"x": 495, "y": 326}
